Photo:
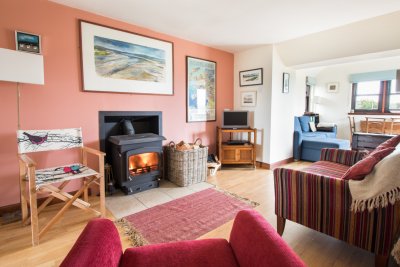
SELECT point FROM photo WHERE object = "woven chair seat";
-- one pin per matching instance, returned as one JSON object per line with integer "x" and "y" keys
{"x": 62, "y": 173}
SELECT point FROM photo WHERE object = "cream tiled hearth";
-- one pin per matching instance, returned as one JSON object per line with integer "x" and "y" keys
{"x": 121, "y": 205}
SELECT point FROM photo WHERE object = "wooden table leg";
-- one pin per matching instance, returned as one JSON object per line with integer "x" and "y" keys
{"x": 381, "y": 260}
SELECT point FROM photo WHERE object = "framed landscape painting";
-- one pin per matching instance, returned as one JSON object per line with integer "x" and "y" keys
{"x": 119, "y": 61}
{"x": 248, "y": 99}
{"x": 200, "y": 89}
{"x": 251, "y": 77}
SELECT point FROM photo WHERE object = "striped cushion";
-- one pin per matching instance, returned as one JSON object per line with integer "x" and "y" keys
{"x": 327, "y": 168}
{"x": 346, "y": 157}
{"x": 359, "y": 170}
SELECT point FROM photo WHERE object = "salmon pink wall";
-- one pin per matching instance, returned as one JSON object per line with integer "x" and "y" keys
{"x": 61, "y": 103}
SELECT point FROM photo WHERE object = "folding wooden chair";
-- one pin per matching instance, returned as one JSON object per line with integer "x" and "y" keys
{"x": 41, "y": 181}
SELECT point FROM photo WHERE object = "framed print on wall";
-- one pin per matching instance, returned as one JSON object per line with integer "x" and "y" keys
{"x": 27, "y": 42}
{"x": 118, "y": 61}
{"x": 200, "y": 89}
{"x": 248, "y": 99}
{"x": 332, "y": 87}
{"x": 251, "y": 77}
{"x": 285, "y": 82}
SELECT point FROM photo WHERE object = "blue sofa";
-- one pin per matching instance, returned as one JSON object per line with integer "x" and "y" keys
{"x": 307, "y": 145}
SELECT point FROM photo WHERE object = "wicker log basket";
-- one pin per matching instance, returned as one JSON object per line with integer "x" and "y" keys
{"x": 187, "y": 162}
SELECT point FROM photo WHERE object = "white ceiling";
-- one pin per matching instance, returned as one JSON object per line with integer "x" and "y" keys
{"x": 234, "y": 25}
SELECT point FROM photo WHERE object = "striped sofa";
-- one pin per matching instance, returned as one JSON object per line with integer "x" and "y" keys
{"x": 318, "y": 198}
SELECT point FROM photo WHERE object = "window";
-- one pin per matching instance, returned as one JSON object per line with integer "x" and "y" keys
{"x": 310, "y": 83}
{"x": 308, "y": 93}
{"x": 394, "y": 97}
{"x": 376, "y": 96}
{"x": 367, "y": 96}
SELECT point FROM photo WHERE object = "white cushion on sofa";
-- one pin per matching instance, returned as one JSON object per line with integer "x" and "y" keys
{"x": 326, "y": 124}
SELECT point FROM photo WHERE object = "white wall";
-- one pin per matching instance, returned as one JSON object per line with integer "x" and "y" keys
{"x": 260, "y": 57}
{"x": 299, "y": 91}
{"x": 274, "y": 112}
{"x": 369, "y": 36}
{"x": 283, "y": 108}
{"x": 335, "y": 106}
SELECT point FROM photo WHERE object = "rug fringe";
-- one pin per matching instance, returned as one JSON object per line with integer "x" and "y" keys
{"x": 136, "y": 239}
{"x": 250, "y": 202}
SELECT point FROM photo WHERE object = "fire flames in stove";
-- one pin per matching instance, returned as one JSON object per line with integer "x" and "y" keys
{"x": 143, "y": 163}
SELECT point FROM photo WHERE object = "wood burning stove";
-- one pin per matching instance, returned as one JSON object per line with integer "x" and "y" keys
{"x": 136, "y": 159}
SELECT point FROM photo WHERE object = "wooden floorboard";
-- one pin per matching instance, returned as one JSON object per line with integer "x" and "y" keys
{"x": 314, "y": 248}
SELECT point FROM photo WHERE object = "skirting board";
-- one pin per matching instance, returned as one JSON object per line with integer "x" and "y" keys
{"x": 274, "y": 165}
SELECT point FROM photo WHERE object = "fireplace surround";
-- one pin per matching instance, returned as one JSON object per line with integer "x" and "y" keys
{"x": 136, "y": 158}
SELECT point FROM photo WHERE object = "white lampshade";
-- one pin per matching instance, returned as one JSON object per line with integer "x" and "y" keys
{"x": 21, "y": 67}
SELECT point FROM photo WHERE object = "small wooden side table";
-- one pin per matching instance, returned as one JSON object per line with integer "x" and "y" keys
{"x": 237, "y": 151}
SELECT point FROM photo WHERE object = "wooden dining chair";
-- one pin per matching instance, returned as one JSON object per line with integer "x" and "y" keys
{"x": 394, "y": 126}
{"x": 375, "y": 125}
{"x": 41, "y": 181}
{"x": 352, "y": 124}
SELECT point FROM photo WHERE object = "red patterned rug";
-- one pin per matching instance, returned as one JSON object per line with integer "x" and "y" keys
{"x": 185, "y": 218}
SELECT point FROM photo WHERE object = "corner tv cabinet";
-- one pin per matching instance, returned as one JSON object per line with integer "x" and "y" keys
{"x": 237, "y": 153}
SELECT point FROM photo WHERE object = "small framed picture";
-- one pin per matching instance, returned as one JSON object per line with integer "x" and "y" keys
{"x": 248, "y": 99}
{"x": 251, "y": 77}
{"x": 27, "y": 42}
{"x": 332, "y": 87}
{"x": 285, "y": 83}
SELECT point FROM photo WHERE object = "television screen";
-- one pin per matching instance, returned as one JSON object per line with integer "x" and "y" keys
{"x": 235, "y": 119}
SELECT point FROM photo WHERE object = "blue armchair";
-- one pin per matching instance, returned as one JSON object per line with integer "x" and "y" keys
{"x": 307, "y": 145}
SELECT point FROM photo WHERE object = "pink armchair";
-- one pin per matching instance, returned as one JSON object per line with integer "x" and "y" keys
{"x": 253, "y": 242}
